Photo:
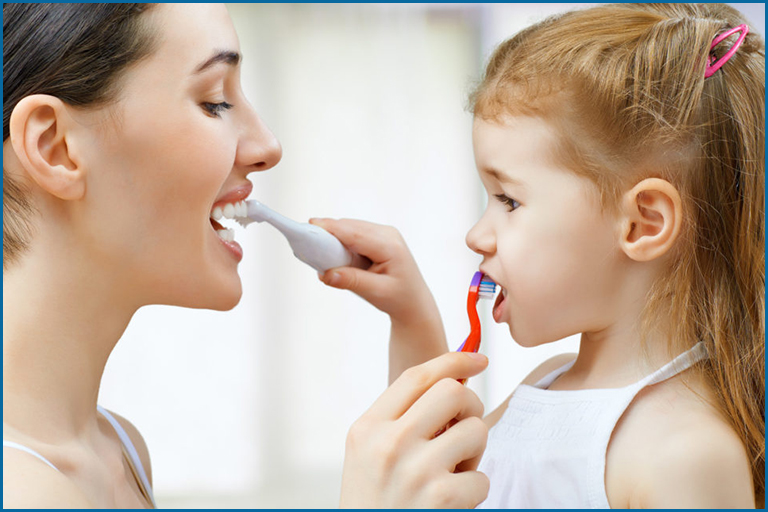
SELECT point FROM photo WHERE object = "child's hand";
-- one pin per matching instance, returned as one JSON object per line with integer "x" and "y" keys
{"x": 393, "y": 459}
{"x": 394, "y": 285}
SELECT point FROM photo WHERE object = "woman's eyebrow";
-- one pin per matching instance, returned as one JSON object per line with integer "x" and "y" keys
{"x": 226, "y": 56}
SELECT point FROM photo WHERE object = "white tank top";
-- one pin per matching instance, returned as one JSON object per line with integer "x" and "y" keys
{"x": 548, "y": 449}
{"x": 132, "y": 456}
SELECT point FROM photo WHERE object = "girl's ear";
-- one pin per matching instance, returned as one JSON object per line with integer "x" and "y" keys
{"x": 651, "y": 219}
{"x": 41, "y": 139}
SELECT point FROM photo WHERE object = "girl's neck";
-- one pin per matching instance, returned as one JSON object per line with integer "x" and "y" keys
{"x": 615, "y": 357}
{"x": 61, "y": 320}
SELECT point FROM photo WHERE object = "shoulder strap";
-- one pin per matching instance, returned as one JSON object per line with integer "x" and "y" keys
{"x": 133, "y": 455}
{"x": 675, "y": 366}
{"x": 549, "y": 378}
{"x": 17, "y": 446}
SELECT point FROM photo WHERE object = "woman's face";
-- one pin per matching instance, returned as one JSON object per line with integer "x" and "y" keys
{"x": 180, "y": 140}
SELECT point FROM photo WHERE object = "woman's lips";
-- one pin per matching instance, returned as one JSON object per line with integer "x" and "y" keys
{"x": 226, "y": 235}
{"x": 235, "y": 195}
{"x": 232, "y": 247}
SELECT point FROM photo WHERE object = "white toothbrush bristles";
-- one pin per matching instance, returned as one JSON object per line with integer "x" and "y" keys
{"x": 487, "y": 288}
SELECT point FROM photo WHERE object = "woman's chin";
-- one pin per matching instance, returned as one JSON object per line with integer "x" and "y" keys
{"x": 221, "y": 296}
{"x": 225, "y": 299}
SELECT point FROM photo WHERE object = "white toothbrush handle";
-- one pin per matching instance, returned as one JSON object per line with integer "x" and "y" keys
{"x": 311, "y": 244}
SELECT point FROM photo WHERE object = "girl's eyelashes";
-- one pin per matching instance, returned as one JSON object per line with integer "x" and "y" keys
{"x": 505, "y": 199}
{"x": 215, "y": 109}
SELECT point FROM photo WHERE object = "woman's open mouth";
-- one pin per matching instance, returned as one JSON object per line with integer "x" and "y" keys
{"x": 227, "y": 235}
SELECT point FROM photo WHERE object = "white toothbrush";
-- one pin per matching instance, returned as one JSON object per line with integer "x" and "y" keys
{"x": 311, "y": 244}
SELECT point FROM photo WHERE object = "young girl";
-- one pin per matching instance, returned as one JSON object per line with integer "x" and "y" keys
{"x": 622, "y": 149}
{"x": 124, "y": 126}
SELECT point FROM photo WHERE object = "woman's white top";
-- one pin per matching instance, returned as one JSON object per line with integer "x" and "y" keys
{"x": 548, "y": 449}
{"x": 130, "y": 451}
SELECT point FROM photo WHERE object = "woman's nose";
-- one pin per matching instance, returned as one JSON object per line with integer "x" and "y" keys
{"x": 481, "y": 238}
{"x": 258, "y": 148}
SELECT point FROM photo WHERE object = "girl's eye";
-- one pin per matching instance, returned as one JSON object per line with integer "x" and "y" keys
{"x": 215, "y": 109}
{"x": 505, "y": 199}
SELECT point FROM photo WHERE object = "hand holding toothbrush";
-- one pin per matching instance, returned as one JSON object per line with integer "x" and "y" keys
{"x": 394, "y": 285}
{"x": 393, "y": 459}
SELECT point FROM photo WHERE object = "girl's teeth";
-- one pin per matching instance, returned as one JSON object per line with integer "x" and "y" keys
{"x": 229, "y": 211}
{"x": 217, "y": 213}
{"x": 228, "y": 235}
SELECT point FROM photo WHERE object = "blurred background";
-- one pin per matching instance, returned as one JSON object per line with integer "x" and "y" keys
{"x": 250, "y": 408}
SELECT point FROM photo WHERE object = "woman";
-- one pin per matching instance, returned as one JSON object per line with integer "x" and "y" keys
{"x": 124, "y": 126}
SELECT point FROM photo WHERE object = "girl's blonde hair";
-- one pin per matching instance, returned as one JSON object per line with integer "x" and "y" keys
{"x": 624, "y": 86}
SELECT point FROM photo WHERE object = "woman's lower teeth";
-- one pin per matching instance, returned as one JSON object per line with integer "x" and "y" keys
{"x": 226, "y": 234}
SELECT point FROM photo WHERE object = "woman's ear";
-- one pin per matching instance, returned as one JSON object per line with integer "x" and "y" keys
{"x": 40, "y": 129}
{"x": 651, "y": 219}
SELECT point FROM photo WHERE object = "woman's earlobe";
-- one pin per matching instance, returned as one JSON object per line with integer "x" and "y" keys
{"x": 651, "y": 217}
{"x": 39, "y": 132}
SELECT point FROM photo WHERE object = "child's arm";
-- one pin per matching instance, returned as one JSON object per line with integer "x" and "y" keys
{"x": 681, "y": 457}
{"x": 392, "y": 284}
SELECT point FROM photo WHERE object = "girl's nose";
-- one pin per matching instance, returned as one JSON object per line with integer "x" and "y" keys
{"x": 258, "y": 148}
{"x": 481, "y": 238}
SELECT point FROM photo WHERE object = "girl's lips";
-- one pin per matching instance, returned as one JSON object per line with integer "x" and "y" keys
{"x": 498, "y": 307}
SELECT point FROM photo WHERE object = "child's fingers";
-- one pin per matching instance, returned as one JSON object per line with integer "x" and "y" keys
{"x": 461, "y": 446}
{"x": 447, "y": 400}
{"x": 375, "y": 241}
{"x": 415, "y": 381}
{"x": 364, "y": 283}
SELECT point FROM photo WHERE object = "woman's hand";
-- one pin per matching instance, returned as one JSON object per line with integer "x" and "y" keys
{"x": 394, "y": 285}
{"x": 394, "y": 460}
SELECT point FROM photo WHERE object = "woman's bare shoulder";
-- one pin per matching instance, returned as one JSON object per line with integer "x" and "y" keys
{"x": 29, "y": 482}
{"x": 138, "y": 441}
{"x": 538, "y": 373}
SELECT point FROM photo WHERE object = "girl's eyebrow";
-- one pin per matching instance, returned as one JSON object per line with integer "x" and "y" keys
{"x": 228, "y": 57}
{"x": 502, "y": 177}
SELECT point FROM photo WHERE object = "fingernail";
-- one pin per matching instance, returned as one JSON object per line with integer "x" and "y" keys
{"x": 478, "y": 357}
{"x": 334, "y": 279}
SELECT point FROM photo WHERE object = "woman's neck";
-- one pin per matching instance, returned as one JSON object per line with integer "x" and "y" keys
{"x": 61, "y": 320}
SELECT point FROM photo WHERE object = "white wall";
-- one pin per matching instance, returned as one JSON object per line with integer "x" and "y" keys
{"x": 250, "y": 408}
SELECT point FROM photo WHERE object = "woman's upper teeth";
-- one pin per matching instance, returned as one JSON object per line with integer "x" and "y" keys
{"x": 230, "y": 211}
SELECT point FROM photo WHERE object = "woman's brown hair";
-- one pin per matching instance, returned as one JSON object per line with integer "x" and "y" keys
{"x": 629, "y": 79}
{"x": 75, "y": 52}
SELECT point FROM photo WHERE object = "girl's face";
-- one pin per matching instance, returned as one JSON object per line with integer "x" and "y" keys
{"x": 543, "y": 236}
{"x": 180, "y": 140}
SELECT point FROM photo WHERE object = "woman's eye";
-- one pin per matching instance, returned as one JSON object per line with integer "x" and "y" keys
{"x": 215, "y": 109}
{"x": 505, "y": 199}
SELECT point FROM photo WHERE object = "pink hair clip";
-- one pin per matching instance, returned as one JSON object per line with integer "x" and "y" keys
{"x": 715, "y": 64}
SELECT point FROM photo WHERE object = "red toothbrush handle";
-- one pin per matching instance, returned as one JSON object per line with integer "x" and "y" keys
{"x": 472, "y": 343}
